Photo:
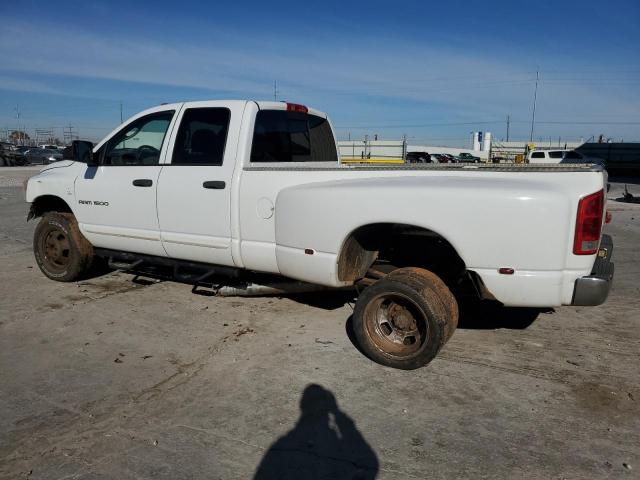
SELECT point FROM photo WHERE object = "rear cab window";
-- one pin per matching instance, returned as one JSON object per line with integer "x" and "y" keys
{"x": 286, "y": 137}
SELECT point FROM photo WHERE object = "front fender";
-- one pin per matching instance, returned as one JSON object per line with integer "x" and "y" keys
{"x": 56, "y": 182}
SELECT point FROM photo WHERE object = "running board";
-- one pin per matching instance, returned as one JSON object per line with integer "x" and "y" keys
{"x": 208, "y": 279}
{"x": 192, "y": 273}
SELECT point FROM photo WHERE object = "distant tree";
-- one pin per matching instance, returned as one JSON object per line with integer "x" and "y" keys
{"x": 18, "y": 135}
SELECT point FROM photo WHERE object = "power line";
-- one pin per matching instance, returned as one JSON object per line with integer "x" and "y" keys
{"x": 569, "y": 122}
{"x": 488, "y": 122}
{"x": 69, "y": 134}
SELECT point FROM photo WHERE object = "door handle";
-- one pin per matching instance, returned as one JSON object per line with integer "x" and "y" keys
{"x": 142, "y": 182}
{"x": 214, "y": 184}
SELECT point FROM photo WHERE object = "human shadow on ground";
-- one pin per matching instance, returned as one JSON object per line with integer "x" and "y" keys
{"x": 324, "y": 443}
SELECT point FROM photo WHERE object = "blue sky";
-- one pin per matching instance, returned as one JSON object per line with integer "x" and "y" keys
{"x": 434, "y": 71}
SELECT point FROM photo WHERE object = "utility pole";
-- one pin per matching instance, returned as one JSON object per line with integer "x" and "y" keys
{"x": 121, "y": 112}
{"x": 17, "y": 109}
{"x": 508, "y": 122}
{"x": 69, "y": 134}
{"x": 275, "y": 91}
{"x": 535, "y": 98}
{"x": 404, "y": 147}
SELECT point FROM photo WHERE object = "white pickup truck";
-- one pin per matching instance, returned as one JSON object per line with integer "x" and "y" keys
{"x": 230, "y": 192}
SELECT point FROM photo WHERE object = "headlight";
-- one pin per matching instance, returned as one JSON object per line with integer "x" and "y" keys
{"x": 52, "y": 159}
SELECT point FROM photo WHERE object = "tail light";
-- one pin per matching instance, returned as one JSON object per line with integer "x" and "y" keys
{"x": 589, "y": 224}
{"x": 295, "y": 107}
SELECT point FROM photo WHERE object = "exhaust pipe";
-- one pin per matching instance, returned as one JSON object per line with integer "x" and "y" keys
{"x": 276, "y": 288}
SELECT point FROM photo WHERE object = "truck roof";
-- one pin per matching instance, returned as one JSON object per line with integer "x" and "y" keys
{"x": 262, "y": 105}
{"x": 271, "y": 105}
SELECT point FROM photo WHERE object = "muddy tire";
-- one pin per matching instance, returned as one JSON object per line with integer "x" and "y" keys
{"x": 403, "y": 320}
{"x": 62, "y": 252}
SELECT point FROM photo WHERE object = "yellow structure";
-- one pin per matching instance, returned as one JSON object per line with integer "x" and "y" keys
{"x": 372, "y": 160}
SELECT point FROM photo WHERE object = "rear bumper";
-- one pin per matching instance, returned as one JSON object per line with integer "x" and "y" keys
{"x": 594, "y": 289}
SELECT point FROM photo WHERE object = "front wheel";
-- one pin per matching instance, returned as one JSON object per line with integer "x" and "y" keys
{"x": 403, "y": 320}
{"x": 61, "y": 251}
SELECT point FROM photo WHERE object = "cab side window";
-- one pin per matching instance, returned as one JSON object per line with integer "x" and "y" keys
{"x": 202, "y": 137}
{"x": 537, "y": 155}
{"x": 140, "y": 142}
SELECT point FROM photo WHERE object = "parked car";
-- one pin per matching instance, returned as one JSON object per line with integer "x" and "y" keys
{"x": 418, "y": 157}
{"x": 545, "y": 156}
{"x": 442, "y": 158}
{"x": 43, "y": 156}
{"x": 17, "y": 153}
{"x": 253, "y": 194}
{"x": 560, "y": 156}
{"x": 5, "y": 159}
{"x": 467, "y": 157}
{"x": 571, "y": 156}
{"x": 11, "y": 155}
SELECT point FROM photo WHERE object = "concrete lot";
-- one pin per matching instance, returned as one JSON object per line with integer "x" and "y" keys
{"x": 112, "y": 379}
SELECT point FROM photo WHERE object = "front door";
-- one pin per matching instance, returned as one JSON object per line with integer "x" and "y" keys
{"x": 116, "y": 201}
{"x": 194, "y": 188}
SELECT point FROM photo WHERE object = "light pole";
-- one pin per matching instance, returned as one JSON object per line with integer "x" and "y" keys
{"x": 535, "y": 98}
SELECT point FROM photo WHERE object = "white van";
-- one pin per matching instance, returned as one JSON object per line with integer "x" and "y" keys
{"x": 559, "y": 156}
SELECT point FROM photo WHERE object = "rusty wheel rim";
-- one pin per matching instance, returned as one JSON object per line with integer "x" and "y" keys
{"x": 56, "y": 250}
{"x": 396, "y": 324}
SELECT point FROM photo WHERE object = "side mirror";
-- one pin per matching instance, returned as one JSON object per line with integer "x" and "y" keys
{"x": 82, "y": 151}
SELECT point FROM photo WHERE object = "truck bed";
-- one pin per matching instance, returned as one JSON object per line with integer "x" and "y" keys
{"x": 435, "y": 167}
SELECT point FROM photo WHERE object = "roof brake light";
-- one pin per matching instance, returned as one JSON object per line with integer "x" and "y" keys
{"x": 295, "y": 107}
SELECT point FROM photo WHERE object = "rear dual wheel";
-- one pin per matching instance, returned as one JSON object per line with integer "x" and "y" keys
{"x": 403, "y": 320}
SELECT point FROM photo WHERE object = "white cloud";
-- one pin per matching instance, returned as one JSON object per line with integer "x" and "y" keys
{"x": 466, "y": 84}
{"x": 20, "y": 84}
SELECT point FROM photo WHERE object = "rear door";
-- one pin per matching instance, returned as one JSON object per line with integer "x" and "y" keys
{"x": 194, "y": 188}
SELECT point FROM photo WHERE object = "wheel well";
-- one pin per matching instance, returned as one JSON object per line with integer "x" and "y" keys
{"x": 394, "y": 245}
{"x": 48, "y": 203}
